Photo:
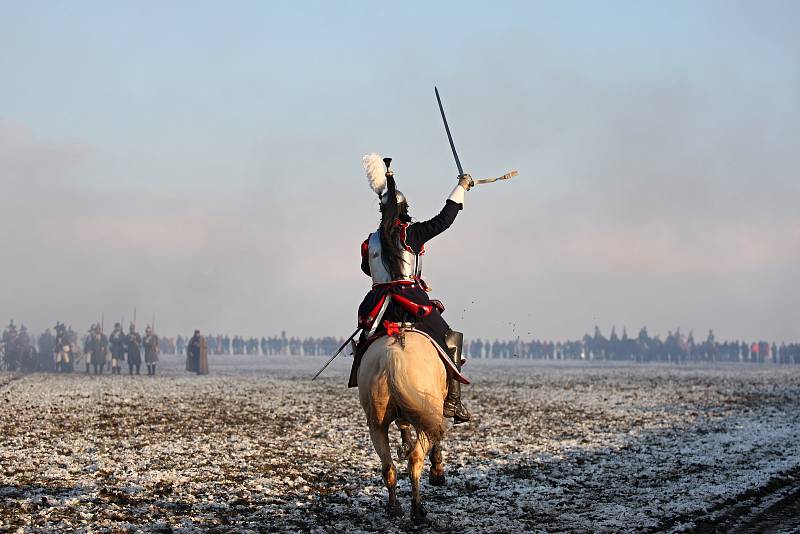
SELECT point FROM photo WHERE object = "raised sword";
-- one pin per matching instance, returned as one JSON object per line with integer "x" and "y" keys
{"x": 506, "y": 176}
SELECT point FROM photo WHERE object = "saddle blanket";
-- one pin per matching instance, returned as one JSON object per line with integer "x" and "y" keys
{"x": 448, "y": 363}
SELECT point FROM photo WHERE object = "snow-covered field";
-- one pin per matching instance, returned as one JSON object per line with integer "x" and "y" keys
{"x": 257, "y": 446}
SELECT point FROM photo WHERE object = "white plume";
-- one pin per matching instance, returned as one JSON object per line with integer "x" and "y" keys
{"x": 376, "y": 173}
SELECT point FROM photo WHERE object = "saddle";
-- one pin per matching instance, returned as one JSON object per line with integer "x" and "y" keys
{"x": 396, "y": 329}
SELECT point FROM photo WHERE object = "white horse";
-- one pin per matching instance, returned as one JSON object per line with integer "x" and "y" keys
{"x": 401, "y": 379}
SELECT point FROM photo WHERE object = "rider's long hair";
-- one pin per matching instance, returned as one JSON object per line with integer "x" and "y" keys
{"x": 391, "y": 212}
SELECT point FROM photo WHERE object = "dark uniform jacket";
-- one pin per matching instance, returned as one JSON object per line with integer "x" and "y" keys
{"x": 133, "y": 346}
{"x": 117, "y": 344}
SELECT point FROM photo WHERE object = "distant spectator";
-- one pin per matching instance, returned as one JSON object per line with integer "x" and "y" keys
{"x": 197, "y": 354}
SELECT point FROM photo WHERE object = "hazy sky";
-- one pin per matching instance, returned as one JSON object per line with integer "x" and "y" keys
{"x": 202, "y": 161}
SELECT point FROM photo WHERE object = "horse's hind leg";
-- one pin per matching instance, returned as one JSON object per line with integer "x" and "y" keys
{"x": 380, "y": 440}
{"x": 436, "y": 477}
{"x": 415, "y": 464}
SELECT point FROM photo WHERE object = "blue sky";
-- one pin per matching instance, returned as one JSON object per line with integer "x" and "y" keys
{"x": 207, "y": 155}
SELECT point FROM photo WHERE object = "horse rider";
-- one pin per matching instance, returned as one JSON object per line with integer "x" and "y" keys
{"x": 392, "y": 257}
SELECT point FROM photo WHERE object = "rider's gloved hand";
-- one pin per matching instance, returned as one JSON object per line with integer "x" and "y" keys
{"x": 465, "y": 181}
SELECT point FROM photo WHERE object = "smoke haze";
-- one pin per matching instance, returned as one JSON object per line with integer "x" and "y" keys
{"x": 203, "y": 163}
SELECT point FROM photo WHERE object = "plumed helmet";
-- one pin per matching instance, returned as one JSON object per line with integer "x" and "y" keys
{"x": 378, "y": 174}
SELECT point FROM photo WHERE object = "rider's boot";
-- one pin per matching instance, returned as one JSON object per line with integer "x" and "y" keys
{"x": 452, "y": 404}
{"x": 357, "y": 354}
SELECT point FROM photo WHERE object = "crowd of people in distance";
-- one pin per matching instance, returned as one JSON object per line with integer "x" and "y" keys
{"x": 65, "y": 351}
{"x": 267, "y": 346}
{"x": 674, "y": 348}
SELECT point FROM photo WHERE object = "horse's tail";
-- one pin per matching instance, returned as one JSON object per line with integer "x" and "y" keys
{"x": 423, "y": 411}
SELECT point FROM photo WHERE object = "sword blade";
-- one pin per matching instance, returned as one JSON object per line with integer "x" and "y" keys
{"x": 449, "y": 136}
{"x": 336, "y": 353}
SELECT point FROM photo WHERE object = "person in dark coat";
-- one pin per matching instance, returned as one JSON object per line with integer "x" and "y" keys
{"x": 133, "y": 348}
{"x": 47, "y": 350}
{"x": 197, "y": 354}
{"x": 98, "y": 347}
{"x": 116, "y": 343}
{"x": 151, "y": 350}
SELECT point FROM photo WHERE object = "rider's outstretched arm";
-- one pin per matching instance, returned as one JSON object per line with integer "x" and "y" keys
{"x": 420, "y": 233}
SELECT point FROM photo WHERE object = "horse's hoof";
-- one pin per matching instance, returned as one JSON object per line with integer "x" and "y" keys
{"x": 420, "y": 520}
{"x": 394, "y": 510}
{"x": 437, "y": 480}
{"x": 418, "y": 515}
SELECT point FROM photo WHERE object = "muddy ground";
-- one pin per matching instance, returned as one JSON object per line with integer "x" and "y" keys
{"x": 256, "y": 446}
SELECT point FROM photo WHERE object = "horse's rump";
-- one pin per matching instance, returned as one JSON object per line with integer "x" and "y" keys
{"x": 404, "y": 381}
